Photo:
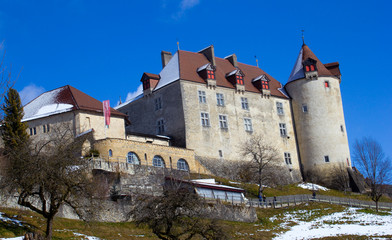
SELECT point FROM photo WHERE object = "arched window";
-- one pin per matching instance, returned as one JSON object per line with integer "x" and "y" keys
{"x": 157, "y": 161}
{"x": 182, "y": 165}
{"x": 110, "y": 153}
{"x": 132, "y": 158}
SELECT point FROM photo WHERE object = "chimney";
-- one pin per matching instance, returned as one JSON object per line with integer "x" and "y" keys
{"x": 233, "y": 59}
{"x": 166, "y": 56}
{"x": 209, "y": 53}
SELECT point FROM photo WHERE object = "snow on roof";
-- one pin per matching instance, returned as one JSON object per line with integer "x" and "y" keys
{"x": 203, "y": 67}
{"x": 84, "y": 133}
{"x": 232, "y": 72}
{"x": 207, "y": 184}
{"x": 170, "y": 73}
{"x": 297, "y": 71}
{"x": 45, "y": 105}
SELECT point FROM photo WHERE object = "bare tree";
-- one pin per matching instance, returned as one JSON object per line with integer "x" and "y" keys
{"x": 340, "y": 179}
{"x": 177, "y": 214}
{"x": 374, "y": 165}
{"x": 262, "y": 155}
{"x": 48, "y": 173}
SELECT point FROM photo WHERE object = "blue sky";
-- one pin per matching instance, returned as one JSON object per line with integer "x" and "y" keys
{"x": 103, "y": 48}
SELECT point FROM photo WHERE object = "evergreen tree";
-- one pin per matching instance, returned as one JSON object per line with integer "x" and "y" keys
{"x": 14, "y": 130}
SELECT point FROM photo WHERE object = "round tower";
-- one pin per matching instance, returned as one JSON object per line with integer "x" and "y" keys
{"x": 318, "y": 116}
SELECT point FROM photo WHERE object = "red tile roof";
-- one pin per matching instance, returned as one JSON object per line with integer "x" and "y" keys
{"x": 189, "y": 62}
{"x": 322, "y": 70}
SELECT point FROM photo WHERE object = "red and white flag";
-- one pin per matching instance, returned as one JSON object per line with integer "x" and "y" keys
{"x": 106, "y": 112}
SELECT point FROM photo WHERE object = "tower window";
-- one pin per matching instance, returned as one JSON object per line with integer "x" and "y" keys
{"x": 240, "y": 79}
{"x": 220, "y": 153}
{"x": 282, "y": 129}
{"x": 205, "y": 119}
{"x": 341, "y": 128}
{"x": 223, "y": 121}
{"x": 244, "y": 103}
{"x": 279, "y": 108}
{"x": 326, "y": 84}
{"x": 202, "y": 97}
{"x": 110, "y": 153}
{"x": 304, "y": 108}
{"x": 220, "y": 101}
{"x": 326, "y": 158}
{"x": 210, "y": 74}
{"x": 287, "y": 158}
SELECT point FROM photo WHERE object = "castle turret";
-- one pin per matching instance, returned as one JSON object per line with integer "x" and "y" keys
{"x": 318, "y": 113}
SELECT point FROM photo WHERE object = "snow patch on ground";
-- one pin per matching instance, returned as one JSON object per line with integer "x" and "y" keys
{"x": 348, "y": 222}
{"x": 6, "y": 219}
{"x": 312, "y": 186}
{"x": 86, "y": 237}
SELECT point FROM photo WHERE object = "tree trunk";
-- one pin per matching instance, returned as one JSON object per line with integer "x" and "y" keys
{"x": 260, "y": 189}
{"x": 49, "y": 227}
{"x": 376, "y": 206}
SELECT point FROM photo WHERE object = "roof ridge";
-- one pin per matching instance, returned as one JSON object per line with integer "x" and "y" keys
{"x": 73, "y": 97}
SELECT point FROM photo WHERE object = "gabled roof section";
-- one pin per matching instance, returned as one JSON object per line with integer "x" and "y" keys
{"x": 298, "y": 72}
{"x": 63, "y": 99}
{"x": 333, "y": 68}
{"x": 189, "y": 62}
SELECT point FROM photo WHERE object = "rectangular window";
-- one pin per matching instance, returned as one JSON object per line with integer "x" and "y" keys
{"x": 341, "y": 128}
{"x": 304, "y": 108}
{"x": 223, "y": 121}
{"x": 265, "y": 85}
{"x": 248, "y": 124}
{"x": 279, "y": 108}
{"x": 160, "y": 127}
{"x": 44, "y": 128}
{"x": 47, "y": 128}
{"x": 326, "y": 84}
{"x": 202, "y": 97}
{"x": 287, "y": 158}
{"x": 220, "y": 153}
{"x": 210, "y": 74}
{"x": 240, "y": 79}
{"x": 31, "y": 131}
{"x": 158, "y": 103}
{"x": 220, "y": 101}
{"x": 205, "y": 119}
{"x": 326, "y": 158}
{"x": 282, "y": 128}
{"x": 244, "y": 103}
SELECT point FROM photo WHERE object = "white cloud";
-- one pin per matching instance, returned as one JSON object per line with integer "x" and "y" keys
{"x": 187, "y": 4}
{"x": 184, "y": 6}
{"x": 30, "y": 92}
{"x": 132, "y": 95}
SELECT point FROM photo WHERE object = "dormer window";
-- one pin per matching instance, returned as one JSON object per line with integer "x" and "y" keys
{"x": 240, "y": 79}
{"x": 210, "y": 74}
{"x": 265, "y": 84}
{"x": 149, "y": 82}
{"x": 262, "y": 83}
{"x": 310, "y": 68}
{"x": 236, "y": 77}
{"x": 146, "y": 84}
{"x": 207, "y": 72}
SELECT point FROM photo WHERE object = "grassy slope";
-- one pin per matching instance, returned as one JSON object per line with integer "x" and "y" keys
{"x": 268, "y": 225}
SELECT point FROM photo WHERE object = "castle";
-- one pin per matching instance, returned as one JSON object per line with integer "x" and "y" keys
{"x": 204, "y": 108}
{"x": 213, "y": 105}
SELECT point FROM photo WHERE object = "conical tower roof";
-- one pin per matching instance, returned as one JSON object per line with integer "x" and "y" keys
{"x": 298, "y": 71}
